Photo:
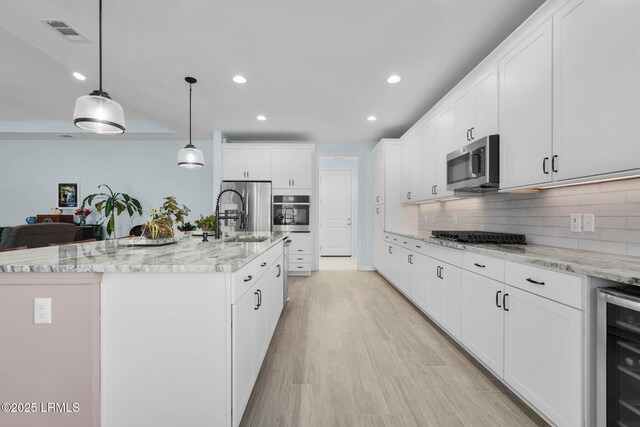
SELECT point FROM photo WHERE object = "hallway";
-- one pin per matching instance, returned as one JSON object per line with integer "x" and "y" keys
{"x": 351, "y": 351}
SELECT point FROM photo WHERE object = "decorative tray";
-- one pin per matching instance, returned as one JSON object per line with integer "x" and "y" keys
{"x": 143, "y": 241}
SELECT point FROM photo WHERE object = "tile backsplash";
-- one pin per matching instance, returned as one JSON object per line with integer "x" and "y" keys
{"x": 544, "y": 216}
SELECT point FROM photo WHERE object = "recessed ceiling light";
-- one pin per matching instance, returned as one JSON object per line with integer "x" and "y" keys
{"x": 239, "y": 79}
{"x": 261, "y": 118}
{"x": 79, "y": 76}
{"x": 372, "y": 118}
{"x": 393, "y": 78}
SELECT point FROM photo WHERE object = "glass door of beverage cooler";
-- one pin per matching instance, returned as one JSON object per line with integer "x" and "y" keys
{"x": 618, "y": 353}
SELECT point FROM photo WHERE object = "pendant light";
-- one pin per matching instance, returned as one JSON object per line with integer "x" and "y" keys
{"x": 97, "y": 112}
{"x": 190, "y": 157}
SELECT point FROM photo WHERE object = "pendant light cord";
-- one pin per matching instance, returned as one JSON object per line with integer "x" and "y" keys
{"x": 190, "y": 144}
{"x": 100, "y": 39}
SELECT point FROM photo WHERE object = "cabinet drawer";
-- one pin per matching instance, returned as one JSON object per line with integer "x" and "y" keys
{"x": 448, "y": 255}
{"x": 561, "y": 287}
{"x": 275, "y": 253}
{"x": 244, "y": 278}
{"x": 484, "y": 265}
{"x": 299, "y": 268}
{"x": 296, "y": 258}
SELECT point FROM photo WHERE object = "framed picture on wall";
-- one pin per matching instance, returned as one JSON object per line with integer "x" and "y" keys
{"x": 68, "y": 195}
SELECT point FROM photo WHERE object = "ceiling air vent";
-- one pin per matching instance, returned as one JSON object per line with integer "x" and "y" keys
{"x": 66, "y": 30}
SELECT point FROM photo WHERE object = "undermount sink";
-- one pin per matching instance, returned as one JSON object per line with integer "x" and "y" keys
{"x": 245, "y": 239}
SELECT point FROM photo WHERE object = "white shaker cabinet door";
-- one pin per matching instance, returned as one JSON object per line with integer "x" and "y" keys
{"x": 244, "y": 352}
{"x": 281, "y": 168}
{"x": 445, "y": 143}
{"x": 596, "y": 87}
{"x": 301, "y": 168}
{"x": 452, "y": 316}
{"x": 526, "y": 111}
{"x": 464, "y": 118}
{"x": 482, "y": 327}
{"x": 379, "y": 246}
{"x": 435, "y": 291}
{"x": 405, "y": 170}
{"x": 543, "y": 358}
{"x": 234, "y": 165}
{"x": 419, "y": 278}
{"x": 378, "y": 175}
{"x": 258, "y": 164}
{"x": 486, "y": 105}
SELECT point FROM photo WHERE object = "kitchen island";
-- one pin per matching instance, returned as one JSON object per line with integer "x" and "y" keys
{"x": 168, "y": 335}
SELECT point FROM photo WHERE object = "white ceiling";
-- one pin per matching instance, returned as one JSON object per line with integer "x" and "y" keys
{"x": 316, "y": 69}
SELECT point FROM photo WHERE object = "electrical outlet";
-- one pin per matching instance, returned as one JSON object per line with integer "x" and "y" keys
{"x": 576, "y": 223}
{"x": 589, "y": 222}
{"x": 42, "y": 310}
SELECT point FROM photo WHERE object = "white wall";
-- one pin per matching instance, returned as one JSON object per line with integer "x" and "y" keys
{"x": 147, "y": 170}
{"x": 350, "y": 164}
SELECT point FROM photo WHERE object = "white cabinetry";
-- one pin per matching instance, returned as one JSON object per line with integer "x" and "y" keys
{"x": 445, "y": 143}
{"x": 299, "y": 253}
{"x": 543, "y": 355}
{"x": 596, "y": 87}
{"x": 291, "y": 168}
{"x": 526, "y": 111}
{"x": 246, "y": 164}
{"x": 378, "y": 236}
{"x": 254, "y": 315}
{"x": 451, "y": 276}
{"x": 419, "y": 279}
{"x": 476, "y": 112}
{"x": 378, "y": 174}
{"x": 483, "y": 319}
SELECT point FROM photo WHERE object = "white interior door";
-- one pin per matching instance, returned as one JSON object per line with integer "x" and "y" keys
{"x": 335, "y": 213}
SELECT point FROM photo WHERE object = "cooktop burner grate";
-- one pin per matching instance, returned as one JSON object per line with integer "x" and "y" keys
{"x": 479, "y": 237}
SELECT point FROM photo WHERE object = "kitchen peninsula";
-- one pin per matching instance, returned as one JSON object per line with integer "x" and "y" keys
{"x": 139, "y": 335}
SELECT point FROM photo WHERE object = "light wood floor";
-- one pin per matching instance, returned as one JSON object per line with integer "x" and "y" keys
{"x": 349, "y": 350}
{"x": 338, "y": 263}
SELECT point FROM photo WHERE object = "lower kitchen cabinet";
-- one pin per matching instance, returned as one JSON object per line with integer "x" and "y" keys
{"x": 254, "y": 318}
{"x": 543, "y": 354}
{"x": 435, "y": 291}
{"x": 404, "y": 257}
{"x": 451, "y": 276}
{"x": 244, "y": 351}
{"x": 482, "y": 330}
{"x": 419, "y": 279}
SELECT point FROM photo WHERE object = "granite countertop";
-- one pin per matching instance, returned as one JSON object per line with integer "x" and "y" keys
{"x": 618, "y": 268}
{"x": 189, "y": 255}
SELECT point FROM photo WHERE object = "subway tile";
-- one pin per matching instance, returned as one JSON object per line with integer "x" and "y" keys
{"x": 633, "y": 196}
{"x": 627, "y": 184}
{"x": 633, "y": 222}
{"x": 631, "y": 236}
{"x": 618, "y": 248}
{"x": 592, "y": 209}
{"x": 633, "y": 250}
{"x": 561, "y": 242}
{"x": 535, "y": 240}
{"x": 626, "y": 209}
{"x": 567, "y": 200}
{"x": 603, "y": 198}
{"x": 556, "y": 221}
{"x": 566, "y": 232}
{"x": 610, "y": 222}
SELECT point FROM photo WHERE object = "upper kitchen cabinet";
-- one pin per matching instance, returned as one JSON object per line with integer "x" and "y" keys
{"x": 246, "y": 164}
{"x": 596, "y": 88}
{"x": 417, "y": 157}
{"x": 445, "y": 143}
{"x": 405, "y": 169}
{"x": 378, "y": 174}
{"x": 291, "y": 168}
{"x": 526, "y": 111}
{"x": 476, "y": 112}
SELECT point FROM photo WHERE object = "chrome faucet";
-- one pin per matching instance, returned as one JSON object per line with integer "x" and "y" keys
{"x": 240, "y": 216}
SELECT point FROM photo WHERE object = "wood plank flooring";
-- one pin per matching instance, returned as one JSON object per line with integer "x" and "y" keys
{"x": 350, "y": 350}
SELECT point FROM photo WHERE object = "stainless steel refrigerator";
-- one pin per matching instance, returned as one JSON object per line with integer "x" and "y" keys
{"x": 257, "y": 205}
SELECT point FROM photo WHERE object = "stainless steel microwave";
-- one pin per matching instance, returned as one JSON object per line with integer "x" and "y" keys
{"x": 475, "y": 167}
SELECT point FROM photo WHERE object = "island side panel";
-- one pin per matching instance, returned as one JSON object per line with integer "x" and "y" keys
{"x": 166, "y": 349}
{"x": 57, "y": 362}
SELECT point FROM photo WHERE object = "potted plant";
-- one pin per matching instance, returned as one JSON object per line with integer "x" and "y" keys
{"x": 207, "y": 224}
{"x": 111, "y": 205}
{"x": 187, "y": 226}
{"x": 162, "y": 219}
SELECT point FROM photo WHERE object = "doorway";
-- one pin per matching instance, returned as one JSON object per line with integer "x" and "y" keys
{"x": 338, "y": 187}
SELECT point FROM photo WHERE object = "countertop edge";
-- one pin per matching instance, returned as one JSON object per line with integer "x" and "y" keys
{"x": 629, "y": 277}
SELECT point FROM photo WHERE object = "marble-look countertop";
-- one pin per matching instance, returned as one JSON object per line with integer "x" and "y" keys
{"x": 189, "y": 255}
{"x": 618, "y": 268}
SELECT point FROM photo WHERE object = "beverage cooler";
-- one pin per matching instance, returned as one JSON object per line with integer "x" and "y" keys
{"x": 618, "y": 357}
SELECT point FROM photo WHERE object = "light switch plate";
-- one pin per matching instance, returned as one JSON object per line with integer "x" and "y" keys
{"x": 589, "y": 222}
{"x": 42, "y": 310}
{"x": 576, "y": 223}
